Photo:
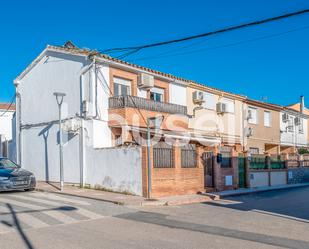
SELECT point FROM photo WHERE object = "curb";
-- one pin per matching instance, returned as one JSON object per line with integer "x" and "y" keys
{"x": 218, "y": 196}
{"x": 189, "y": 201}
{"x": 86, "y": 197}
{"x": 157, "y": 203}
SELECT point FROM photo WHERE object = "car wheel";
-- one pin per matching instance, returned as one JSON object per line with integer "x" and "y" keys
{"x": 29, "y": 189}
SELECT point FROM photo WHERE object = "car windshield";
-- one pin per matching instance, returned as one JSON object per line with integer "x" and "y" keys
{"x": 6, "y": 163}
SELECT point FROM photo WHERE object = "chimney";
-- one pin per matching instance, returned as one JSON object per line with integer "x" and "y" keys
{"x": 302, "y": 104}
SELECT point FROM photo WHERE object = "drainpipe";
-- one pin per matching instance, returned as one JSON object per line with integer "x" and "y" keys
{"x": 96, "y": 88}
{"x": 82, "y": 153}
{"x": 243, "y": 126}
{"x": 18, "y": 138}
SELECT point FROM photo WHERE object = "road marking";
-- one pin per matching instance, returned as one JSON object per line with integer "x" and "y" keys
{"x": 21, "y": 204}
{"x": 60, "y": 216}
{"x": 28, "y": 198}
{"x": 60, "y": 198}
{"x": 24, "y": 218}
{"x": 4, "y": 228}
{"x": 31, "y": 220}
{"x": 88, "y": 214}
{"x": 227, "y": 202}
{"x": 280, "y": 215}
{"x": 56, "y": 214}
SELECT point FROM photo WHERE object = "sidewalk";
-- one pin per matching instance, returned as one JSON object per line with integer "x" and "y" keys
{"x": 244, "y": 191}
{"x": 118, "y": 198}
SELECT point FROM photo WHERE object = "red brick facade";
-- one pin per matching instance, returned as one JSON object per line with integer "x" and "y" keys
{"x": 166, "y": 181}
{"x": 176, "y": 180}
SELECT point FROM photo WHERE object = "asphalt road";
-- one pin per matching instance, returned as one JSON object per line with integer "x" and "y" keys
{"x": 265, "y": 220}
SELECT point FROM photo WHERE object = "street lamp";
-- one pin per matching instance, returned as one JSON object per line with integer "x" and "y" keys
{"x": 59, "y": 98}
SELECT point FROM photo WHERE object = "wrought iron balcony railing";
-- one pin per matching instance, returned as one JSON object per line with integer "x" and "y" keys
{"x": 145, "y": 104}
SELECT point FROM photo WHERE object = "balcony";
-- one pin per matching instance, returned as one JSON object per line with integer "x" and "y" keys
{"x": 145, "y": 104}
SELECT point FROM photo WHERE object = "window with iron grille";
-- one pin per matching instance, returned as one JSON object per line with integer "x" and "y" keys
{"x": 188, "y": 156}
{"x": 163, "y": 156}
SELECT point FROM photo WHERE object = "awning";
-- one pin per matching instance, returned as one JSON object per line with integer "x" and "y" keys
{"x": 207, "y": 141}
{"x": 203, "y": 140}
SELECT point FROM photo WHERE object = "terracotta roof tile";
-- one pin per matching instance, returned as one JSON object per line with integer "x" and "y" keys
{"x": 5, "y": 106}
{"x": 89, "y": 52}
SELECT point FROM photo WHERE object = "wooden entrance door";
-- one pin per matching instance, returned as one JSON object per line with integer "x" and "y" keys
{"x": 208, "y": 169}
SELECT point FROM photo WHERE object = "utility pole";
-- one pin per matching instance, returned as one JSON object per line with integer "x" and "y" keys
{"x": 156, "y": 125}
{"x": 59, "y": 98}
{"x": 148, "y": 160}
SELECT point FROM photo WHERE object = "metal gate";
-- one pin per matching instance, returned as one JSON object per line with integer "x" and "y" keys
{"x": 241, "y": 172}
{"x": 208, "y": 169}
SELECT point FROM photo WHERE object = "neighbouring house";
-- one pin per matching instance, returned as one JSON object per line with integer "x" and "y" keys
{"x": 107, "y": 108}
{"x": 262, "y": 127}
{"x": 300, "y": 107}
{"x": 217, "y": 115}
{"x": 293, "y": 130}
{"x": 6, "y": 130}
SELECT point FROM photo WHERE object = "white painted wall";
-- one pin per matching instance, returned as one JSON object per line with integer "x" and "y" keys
{"x": 114, "y": 169}
{"x": 258, "y": 179}
{"x": 101, "y": 131}
{"x": 177, "y": 94}
{"x": 295, "y": 137}
{"x": 6, "y": 124}
{"x": 118, "y": 169}
{"x": 40, "y": 154}
{"x": 278, "y": 178}
{"x": 56, "y": 72}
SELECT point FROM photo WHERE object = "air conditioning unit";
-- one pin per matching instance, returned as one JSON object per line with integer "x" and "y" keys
{"x": 71, "y": 126}
{"x": 221, "y": 107}
{"x": 249, "y": 114}
{"x": 297, "y": 121}
{"x": 285, "y": 117}
{"x": 145, "y": 81}
{"x": 198, "y": 97}
{"x": 249, "y": 132}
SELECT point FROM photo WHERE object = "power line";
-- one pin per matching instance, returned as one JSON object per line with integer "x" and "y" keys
{"x": 232, "y": 28}
{"x": 8, "y": 108}
{"x": 168, "y": 53}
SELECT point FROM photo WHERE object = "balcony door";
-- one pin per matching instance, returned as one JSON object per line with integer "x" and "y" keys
{"x": 157, "y": 94}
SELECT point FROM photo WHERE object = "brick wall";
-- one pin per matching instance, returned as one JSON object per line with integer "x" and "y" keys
{"x": 131, "y": 116}
{"x": 222, "y": 173}
{"x": 174, "y": 181}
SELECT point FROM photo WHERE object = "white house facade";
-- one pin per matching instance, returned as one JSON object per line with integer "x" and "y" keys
{"x": 293, "y": 129}
{"x": 89, "y": 154}
{"x": 6, "y": 129}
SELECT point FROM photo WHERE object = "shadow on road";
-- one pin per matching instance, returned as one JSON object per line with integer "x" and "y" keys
{"x": 289, "y": 204}
{"x": 17, "y": 224}
{"x": 162, "y": 220}
{"x": 19, "y": 228}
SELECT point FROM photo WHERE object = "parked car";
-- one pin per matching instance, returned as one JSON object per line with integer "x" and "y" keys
{"x": 13, "y": 177}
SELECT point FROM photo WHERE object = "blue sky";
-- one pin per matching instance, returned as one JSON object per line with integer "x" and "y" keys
{"x": 269, "y": 61}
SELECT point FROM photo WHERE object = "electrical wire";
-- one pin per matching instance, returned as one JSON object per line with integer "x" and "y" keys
{"x": 227, "y": 29}
{"x": 167, "y": 54}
